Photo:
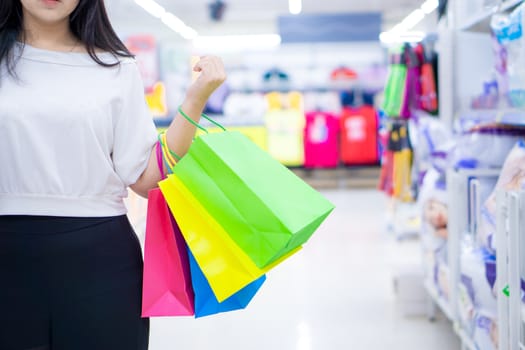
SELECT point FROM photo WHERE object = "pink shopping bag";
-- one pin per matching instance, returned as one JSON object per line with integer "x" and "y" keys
{"x": 167, "y": 288}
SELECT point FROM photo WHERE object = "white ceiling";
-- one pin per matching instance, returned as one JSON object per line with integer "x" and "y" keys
{"x": 247, "y": 16}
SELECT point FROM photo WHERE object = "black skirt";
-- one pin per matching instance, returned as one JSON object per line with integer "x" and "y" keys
{"x": 70, "y": 283}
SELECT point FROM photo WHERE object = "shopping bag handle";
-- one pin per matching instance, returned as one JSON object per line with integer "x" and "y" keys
{"x": 199, "y": 126}
{"x": 158, "y": 151}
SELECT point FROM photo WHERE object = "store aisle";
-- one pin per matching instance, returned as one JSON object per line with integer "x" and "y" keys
{"x": 336, "y": 294}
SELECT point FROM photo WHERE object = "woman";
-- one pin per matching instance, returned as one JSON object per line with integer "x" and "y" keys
{"x": 74, "y": 134}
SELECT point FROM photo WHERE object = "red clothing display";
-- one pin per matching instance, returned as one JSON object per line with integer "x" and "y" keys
{"x": 359, "y": 136}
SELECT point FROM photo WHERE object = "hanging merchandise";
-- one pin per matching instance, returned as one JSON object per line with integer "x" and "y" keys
{"x": 400, "y": 145}
{"x": 411, "y": 83}
{"x": 412, "y": 91}
{"x": 321, "y": 146}
{"x": 428, "y": 100}
{"x": 386, "y": 178}
{"x": 285, "y": 122}
{"x": 359, "y": 136}
{"x": 396, "y": 84}
{"x": 396, "y": 179}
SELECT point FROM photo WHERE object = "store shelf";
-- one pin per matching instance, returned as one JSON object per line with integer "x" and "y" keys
{"x": 504, "y": 116}
{"x": 227, "y": 121}
{"x": 443, "y": 305}
{"x": 480, "y": 22}
{"x": 466, "y": 340}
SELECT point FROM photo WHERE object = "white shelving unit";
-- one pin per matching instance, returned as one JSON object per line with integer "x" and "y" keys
{"x": 503, "y": 116}
{"x": 511, "y": 271}
{"x": 480, "y": 22}
{"x": 465, "y": 49}
{"x": 462, "y": 189}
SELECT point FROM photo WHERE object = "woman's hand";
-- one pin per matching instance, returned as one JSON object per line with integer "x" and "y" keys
{"x": 211, "y": 75}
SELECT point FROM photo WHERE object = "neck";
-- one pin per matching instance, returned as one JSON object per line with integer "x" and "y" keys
{"x": 53, "y": 36}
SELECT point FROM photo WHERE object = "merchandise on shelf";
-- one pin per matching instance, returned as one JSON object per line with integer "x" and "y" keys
{"x": 432, "y": 142}
{"x": 433, "y": 203}
{"x": 486, "y": 146}
{"x": 477, "y": 294}
{"x": 512, "y": 178}
{"x": 509, "y": 32}
{"x": 247, "y": 108}
{"x": 325, "y": 101}
{"x": 486, "y": 331}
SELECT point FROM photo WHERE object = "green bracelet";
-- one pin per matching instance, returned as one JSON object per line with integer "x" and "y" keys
{"x": 169, "y": 150}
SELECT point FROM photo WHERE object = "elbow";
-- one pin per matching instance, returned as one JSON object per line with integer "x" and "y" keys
{"x": 142, "y": 187}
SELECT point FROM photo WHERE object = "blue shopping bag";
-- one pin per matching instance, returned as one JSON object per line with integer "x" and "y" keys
{"x": 205, "y": 301}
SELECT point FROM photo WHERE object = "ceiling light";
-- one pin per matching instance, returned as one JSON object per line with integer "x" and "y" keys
{"x": 152, "y": 7}
{"x": 237, "y": 42}
{"x": 401, "y": 37}
{"x": 168, "y": 18}
{"x": 189, "y": 33}
{"x": 295, "y": 6}
{"x": 430, "y": 6}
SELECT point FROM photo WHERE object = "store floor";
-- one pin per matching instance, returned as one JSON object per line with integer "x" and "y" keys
{"x": 336, "y": 294}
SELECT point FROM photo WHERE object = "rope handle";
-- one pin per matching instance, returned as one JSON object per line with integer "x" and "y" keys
{"x": 197, "y": 125}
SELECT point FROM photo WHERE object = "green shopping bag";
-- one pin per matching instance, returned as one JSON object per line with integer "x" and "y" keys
{"x": 265, "y": 208}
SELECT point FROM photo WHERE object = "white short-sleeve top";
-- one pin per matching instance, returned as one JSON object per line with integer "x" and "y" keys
{"x": 73, "y": 134}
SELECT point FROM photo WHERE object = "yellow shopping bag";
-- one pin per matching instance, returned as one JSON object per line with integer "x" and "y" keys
{"x": 227, "y": 268}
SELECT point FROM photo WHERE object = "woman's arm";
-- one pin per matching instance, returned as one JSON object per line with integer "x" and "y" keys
{"x": 181, "y": 132}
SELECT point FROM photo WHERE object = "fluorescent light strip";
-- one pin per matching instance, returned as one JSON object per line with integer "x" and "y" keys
{"x": 430, "y": 6}
{"x": 295, "y": 6}
{"x": 168, "y": 18}
{"x": 401, "y": 32}
{"x": 152, "y": 7}
{"x": 237, "y": 42}
{"x": 401, "y": 37}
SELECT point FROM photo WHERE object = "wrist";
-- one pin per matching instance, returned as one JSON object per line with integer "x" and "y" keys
{"x": 197, "y": 103}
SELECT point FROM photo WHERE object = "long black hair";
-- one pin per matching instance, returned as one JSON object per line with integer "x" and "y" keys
{"x": 89, "y": 23}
